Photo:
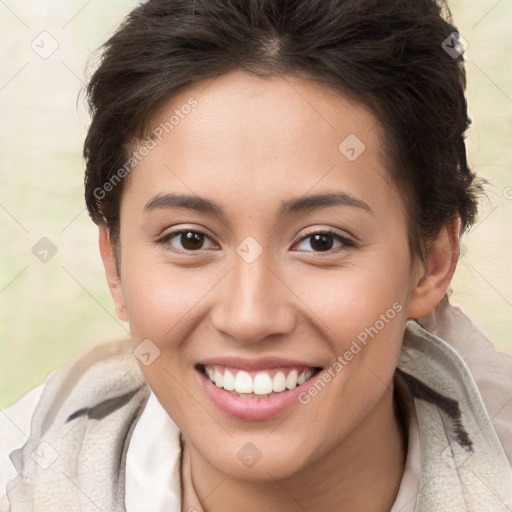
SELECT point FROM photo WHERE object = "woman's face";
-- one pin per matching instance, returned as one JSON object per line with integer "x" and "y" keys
{"x": 266, "y": 164}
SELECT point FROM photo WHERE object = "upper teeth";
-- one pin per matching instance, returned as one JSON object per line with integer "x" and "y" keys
{"x": 261, "y": 383}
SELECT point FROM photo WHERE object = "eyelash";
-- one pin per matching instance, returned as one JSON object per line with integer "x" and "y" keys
{"x": 346, "y": 242}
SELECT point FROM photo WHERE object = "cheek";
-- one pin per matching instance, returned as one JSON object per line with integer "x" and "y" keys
{"x": 362, "y": 314}
{"x": 352, "y": 299}
{"x": 159, "y": 296}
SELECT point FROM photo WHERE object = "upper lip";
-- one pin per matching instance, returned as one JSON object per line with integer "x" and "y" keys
{"x": 262, "y": 363}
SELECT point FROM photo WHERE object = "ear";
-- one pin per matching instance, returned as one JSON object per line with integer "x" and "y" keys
{"x": 112, "y": 272}
{"x": 432, "y": 279}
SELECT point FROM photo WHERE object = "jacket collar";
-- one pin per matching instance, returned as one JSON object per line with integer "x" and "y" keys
{"x": 463, "y": 464}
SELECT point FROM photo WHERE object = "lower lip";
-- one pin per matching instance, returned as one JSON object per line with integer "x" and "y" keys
{"x": 253, "y": 409}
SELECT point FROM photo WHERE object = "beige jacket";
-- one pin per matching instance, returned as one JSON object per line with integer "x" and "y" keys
{"x": 460, "y": 393}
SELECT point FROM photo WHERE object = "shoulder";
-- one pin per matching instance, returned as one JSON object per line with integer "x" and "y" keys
{"x": 15, "y": 423}
{"x": 101, "y": 382}
{"x": 490, "y": 368}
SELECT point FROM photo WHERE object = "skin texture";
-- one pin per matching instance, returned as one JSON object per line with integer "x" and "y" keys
{"x": 249, "y": 144}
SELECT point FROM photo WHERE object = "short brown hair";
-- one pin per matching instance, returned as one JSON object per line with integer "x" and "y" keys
{"x": 390, "y": 53}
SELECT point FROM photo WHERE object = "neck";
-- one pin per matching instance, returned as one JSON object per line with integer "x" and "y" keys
{"x": 371, "y": 457}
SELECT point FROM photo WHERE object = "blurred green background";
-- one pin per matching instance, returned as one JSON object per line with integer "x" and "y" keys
{"x": 49, "y": 310}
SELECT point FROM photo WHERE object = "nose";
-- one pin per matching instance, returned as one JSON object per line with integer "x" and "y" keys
{"x": 254, "y": 302}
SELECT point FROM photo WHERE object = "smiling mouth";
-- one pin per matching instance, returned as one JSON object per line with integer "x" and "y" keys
{"x": 257, "y": 384}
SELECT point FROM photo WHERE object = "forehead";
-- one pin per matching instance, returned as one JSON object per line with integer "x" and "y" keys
{"x": 259, "y": 140}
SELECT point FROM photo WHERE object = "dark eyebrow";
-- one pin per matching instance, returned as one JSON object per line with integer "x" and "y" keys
{"x": 322, "y": 201}
{"x": 183, "y": 201}
{"x": 290, "y": 206}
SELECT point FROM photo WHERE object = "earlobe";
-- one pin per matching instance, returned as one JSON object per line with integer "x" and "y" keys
{"x": 432, "y": 281}
{"x": 111, "y": 272}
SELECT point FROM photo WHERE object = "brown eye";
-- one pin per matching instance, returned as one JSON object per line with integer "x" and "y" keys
{"x": 185, "y": 240}
{"x": 323, "y": 241}
{"x": 191, "y": 240}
